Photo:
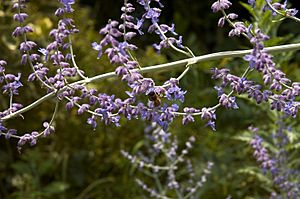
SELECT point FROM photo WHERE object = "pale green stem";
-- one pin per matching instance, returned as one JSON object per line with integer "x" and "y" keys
{"x": 73, "y": 59}
{"x": 160, "y": 67}
{"x": 282, "y": 14}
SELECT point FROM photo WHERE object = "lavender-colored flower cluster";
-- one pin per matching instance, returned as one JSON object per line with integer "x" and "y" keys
{"x": 10, "y": 85}
{"x": 153, "y": 14}
{"x": 164, "y": 146}
{"x": 261, "y": 154}
{"x": 39, "y": 70}
{"x": 280, "y": 9}
{"x": 11, "y": 82}
{"x": 284, "y": 178}
{"x": 281, "y": 91}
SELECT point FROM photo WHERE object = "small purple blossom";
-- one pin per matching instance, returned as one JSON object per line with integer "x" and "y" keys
{"x": 173, "y": 91}
{"x": 252, "y": 2}
{"x": 189, "y": 118}
{"x": 228, "y": 102}
{"x": 239, "y": 28}
{"x": 220, "y": 5}
{"x": 12, "y": 85}
{"x": 209, "y": 115}
{"x": 92, "y": 121}
{"x": 48, "y": 129}
{"x": 10, "y": 132}
{"x": 67, "y": 7}
{"x": 20, "y": 17}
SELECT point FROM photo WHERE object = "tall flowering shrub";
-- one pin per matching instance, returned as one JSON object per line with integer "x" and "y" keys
{"x": 55, "y": 69}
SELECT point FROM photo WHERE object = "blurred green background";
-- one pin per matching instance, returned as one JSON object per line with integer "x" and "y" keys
{"x": 78, "y": 162}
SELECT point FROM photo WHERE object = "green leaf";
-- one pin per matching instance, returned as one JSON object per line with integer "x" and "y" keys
{"x": 245, "y": 136}
{"x": 253, "y": 171}
{"x": 249, "y": 8}
{"x": 55, "y": 188}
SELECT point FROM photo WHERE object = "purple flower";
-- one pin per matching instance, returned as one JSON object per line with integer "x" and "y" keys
{"x": 281, "y": 7}
{"x": 142, "y": 86}
{"x": 153, "y": 14}
{"x": 48, "y": 129}
{"x": 211, "y": 124}
{"x": 239, "y": 28}
{"x": 228, "y": 102}
{"x": 13, "y": 84}
{"x": 117, "y": 51}
{"x": 31, "y": 138}
{"x": 219, "y": 90}
{"x": 173, "y": 91}
{"x": 220, "y": 5}
{"x": 221, "y": 22}
{"x": 19, "y": 31}
{"x": 278, "y": 103}
{"x": 83, "y": 108}
{"x": 2, "y": 65}
{"x": 27, "y": 46}
{"x": 189, "y": 118}
{"x": 10, "y": 132}
{"x": 92, "y": 121}
{"x": 165, "y": 28}
{"x": 291, "y": 12}
{"x": 67, "y": 4}
{"x": 20, "y": 17}
{"x": 2, "y": 128}
{"x": 232, "y": 16}
{"x": 97, "y": 47}
{"x": 45, "y": 52}
{"x": 24, "y": 139}
{"x": 252, "y": 2}
{"x": 283, "y": 177}
{"x": 139, "y": 25}
{"x": 261, "y": 153}
{"x": 209, "y": 115}
{"x": 167, "y": 116}
{"x": 291, "y": 108}
{"x": 219, "y": 73}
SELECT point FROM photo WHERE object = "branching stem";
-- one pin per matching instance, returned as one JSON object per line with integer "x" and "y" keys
{"x": 158, "y": 68}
